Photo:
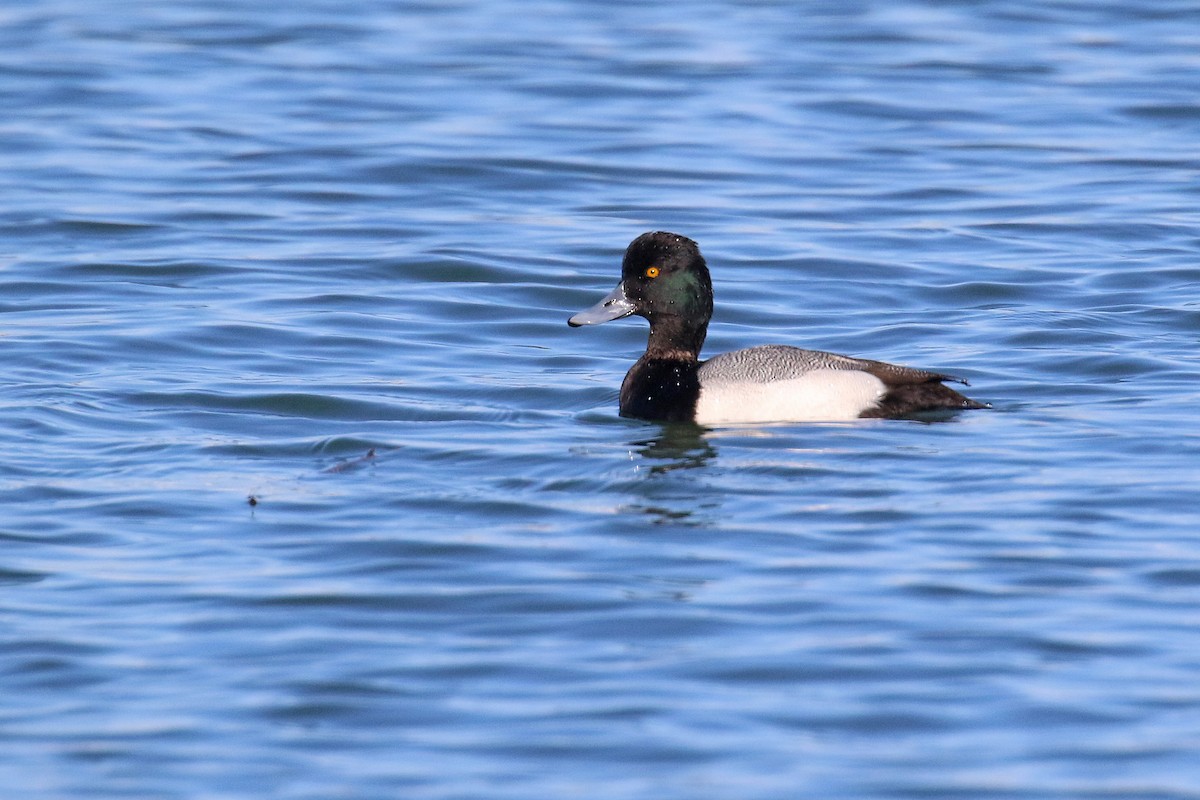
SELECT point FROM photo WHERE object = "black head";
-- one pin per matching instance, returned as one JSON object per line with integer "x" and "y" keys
{"x": 664, "y": 279}
{"x": 665, "y": 275}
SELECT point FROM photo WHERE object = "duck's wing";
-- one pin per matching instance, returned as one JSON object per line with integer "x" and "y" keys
{"x": 779, "y": 362}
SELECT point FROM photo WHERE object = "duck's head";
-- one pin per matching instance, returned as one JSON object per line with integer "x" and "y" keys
{"x": 664, "y": 279}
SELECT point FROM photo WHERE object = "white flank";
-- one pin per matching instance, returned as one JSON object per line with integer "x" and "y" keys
{"x": 823, "y": 395}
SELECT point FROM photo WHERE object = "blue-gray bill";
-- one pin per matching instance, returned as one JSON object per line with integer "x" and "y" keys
{"x": 614, "y": 306}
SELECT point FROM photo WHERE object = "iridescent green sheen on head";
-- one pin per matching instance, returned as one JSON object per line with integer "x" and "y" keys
{"x": 665, "y": 275}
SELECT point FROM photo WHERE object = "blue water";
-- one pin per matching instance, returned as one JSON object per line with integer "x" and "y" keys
{"x": 322, "y": 254}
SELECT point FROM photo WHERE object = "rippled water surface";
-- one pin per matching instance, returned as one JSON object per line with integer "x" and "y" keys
{"x": 321, "y": 255}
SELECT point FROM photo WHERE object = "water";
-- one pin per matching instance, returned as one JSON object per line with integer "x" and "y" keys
{"x": 245, "y": 245}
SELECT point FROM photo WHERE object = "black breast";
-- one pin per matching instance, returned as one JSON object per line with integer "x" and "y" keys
{"x": 661, "y": 389}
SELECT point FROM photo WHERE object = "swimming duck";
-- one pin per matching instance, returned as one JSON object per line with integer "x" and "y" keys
{"x": 665, "y": 279}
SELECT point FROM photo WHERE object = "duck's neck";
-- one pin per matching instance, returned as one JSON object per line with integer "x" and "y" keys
{"x": 671, "y": 339}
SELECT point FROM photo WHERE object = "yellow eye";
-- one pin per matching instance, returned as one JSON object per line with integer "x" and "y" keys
{"x": 651, "y": 272}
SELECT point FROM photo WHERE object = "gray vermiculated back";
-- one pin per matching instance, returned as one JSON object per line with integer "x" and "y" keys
{"x": 775, "y": 362}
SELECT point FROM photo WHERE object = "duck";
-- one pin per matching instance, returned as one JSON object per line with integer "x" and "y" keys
{"x": 665, "y": 279}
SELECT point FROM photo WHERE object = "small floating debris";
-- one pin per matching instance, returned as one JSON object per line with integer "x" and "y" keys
{"x": 353, "y": 463}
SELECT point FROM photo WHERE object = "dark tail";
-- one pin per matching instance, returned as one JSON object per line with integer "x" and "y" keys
{"x": 911, "y": 398}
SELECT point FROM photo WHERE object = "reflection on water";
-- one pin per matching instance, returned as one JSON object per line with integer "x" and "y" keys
{"x": 680, "y": 446}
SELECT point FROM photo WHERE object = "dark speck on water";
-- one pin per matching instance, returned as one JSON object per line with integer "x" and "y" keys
{"x": 245, "y": 242}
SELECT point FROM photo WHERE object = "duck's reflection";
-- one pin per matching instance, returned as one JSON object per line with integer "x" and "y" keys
{"x": 678, "y": 446}
{"x": 676, "y": 503}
